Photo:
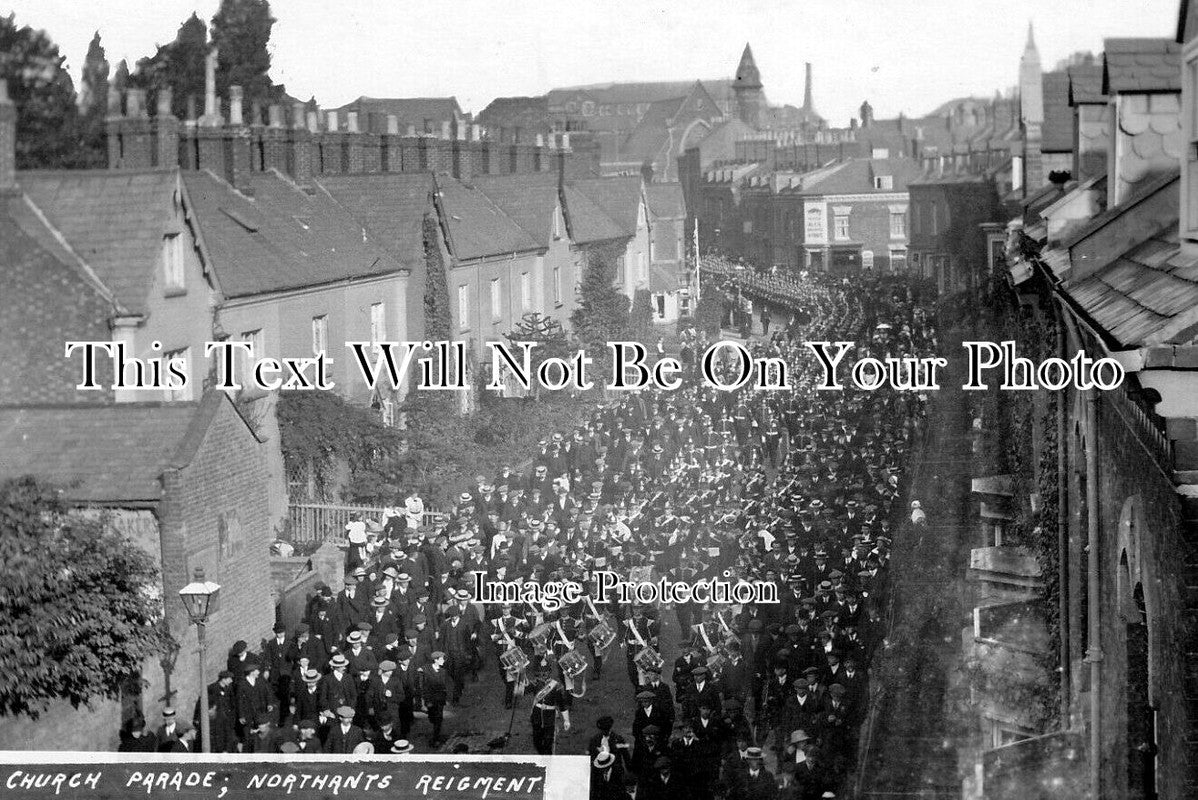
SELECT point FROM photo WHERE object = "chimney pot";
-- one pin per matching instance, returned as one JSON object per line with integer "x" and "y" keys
{"x": 211, "y": 113}
{"x": 236, "y": 106}
{"x": 351, "y": 121}
{"x": 332, "y": 119}
{"x": 392, "y": 124}
{"x": 445, "y": 130}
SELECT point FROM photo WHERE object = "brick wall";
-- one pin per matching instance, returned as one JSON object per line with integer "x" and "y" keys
{"x": 214, "y": 515}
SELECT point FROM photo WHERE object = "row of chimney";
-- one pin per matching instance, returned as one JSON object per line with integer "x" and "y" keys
{"x": 302, "y": 146}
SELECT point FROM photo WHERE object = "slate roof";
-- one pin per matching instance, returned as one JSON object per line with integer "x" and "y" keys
{"x": 856, "y": 177}
{"x": 1099, "y": 220}
{"x": 588, "y": 222}
{"x": 1085, "y": 84}
{"x": 639, "y": 92}
{"x": 392, "y": 206}
{"x": 1057, "y": 133}
{"x": 618, "y": 198}
{"x": 112, "y": 220}
{"x": 531, "y": 113}
{"x": 409, "y": 110}
{"x": 1141, "y": 65}
{"x": 665, "y": 200}
{"x": 281, "y": 238}
{"x": 1147, "y": 296}
{"x": 478, "y": 228}
{"x": 110, "y": 454}
{"x": 529, "y": 200}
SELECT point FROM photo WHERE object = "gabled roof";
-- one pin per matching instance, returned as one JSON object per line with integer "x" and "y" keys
{"x": 281, "y": 238}
{"x": 409, "y": 111}
{"x": 665, "y": 200}
{"x": 1057, "y": 133}
{"x": 1141, "y": 65}
{"x": 1085, "y": 84}
{"x": 531, "y": 113}
{"x": 113, "y": 220}
{"x": 588, "y": 222}
{"x": 1099, "y": 221}
{"x": 529, "y": 200}
{"x": 109, "y": 454}
{"x": 652, "y": 133}
{"x": 391, "y": 205}
{"x": 619, "y": 198}
{"x": 477, "y": 227}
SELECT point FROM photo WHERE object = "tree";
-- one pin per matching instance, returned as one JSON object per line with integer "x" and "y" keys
{"x": 602, "y": 313}
{"x": 548, "y": 336}
{"x": 93, "y": 104}
{"x": 178, "y": 65}
{"x": 640, "y": 319}
{"x": 79, "y": 607}
{"x": 241, "y": 31}
{"x": 44, "y": 95}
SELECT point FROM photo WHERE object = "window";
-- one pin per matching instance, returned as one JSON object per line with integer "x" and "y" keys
{"x": 898, "y": 225}
{"x": 557, "y": 286}
{"x": 867, "y": 259}
{"x": 496, "y": 300}
{"x": 257, "y": 347}
{"x": 884, "y": 182}
{"x": 525, "y": 291}
{"x": 378, "y": 323}
{"x": 841, "y": 229}
{"x": 898, "y": 260}
{"x": 463, "y": 308}
{"x": 620, "y": 270}
{"x": 172, "y": 263}
{"x": 320, "y": 334}
{"x": 184, "y": 355}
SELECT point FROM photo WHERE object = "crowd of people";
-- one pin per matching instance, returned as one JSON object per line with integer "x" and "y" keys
{"x": 795, "y": 487}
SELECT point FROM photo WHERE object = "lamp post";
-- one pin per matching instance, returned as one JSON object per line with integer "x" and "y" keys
{"x": 200, "y": 599}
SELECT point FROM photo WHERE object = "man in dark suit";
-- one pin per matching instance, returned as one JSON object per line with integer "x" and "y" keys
{"x": 756, "y": 782}
{"x": 277, "y": 668}
{"x": 650, "y": 711}
{"x": 344, "y": 736}
{"x": 222, "y": 714}
{"x": 254, "y": 697}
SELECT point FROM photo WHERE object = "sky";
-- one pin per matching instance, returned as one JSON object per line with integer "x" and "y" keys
{"x": 901, "y": 55}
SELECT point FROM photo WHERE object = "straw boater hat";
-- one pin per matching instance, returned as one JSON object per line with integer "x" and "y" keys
{"x": 402, "y": 747}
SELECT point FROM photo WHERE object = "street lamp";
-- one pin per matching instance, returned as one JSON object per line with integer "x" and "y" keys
{"x": 200, "y": 599}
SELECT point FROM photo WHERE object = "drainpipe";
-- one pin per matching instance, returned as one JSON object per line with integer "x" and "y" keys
{"x": 1064, "y": 623}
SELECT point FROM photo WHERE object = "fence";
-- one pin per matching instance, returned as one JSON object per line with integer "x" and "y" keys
{"x": 322, "y": 522}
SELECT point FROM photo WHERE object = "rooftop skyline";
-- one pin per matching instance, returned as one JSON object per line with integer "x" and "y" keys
{"x": 911, "y": 53}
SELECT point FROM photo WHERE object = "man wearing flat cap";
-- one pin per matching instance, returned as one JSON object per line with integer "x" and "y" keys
{"x": 344, "y": 734}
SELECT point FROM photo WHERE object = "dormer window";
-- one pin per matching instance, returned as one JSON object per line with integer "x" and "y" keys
{"x": 172, "y": 264}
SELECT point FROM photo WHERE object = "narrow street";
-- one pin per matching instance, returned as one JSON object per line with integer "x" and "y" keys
{"x": 908, "y": 750}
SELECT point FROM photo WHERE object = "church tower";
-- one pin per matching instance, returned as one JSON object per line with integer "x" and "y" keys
{"x": 750, "y": 99}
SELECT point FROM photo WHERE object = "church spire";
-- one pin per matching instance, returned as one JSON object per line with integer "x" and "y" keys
{"x": 747, "y": 74}
{"x": 1030, "y": 51}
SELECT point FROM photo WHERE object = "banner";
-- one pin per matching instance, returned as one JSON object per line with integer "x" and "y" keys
{"x": 128, "y": 776}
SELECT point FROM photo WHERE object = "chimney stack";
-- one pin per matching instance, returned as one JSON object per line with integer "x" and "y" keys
{"x": 166, "y": 131}
{"x": 236, "y": 103}
{"x": 351, "y": 121}
{"x": 211, "y": 116}
{"x": 446, "y": 133}
{"x": 135, "y": 103}
{"x": 392, "y": 125}
{"x": 274, "y": 113}
{"x": 8, "y": 141}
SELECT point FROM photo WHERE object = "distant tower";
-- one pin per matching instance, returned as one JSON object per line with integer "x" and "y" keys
{"x": 750, "y": 99}
{"x": 1031, "y": 114}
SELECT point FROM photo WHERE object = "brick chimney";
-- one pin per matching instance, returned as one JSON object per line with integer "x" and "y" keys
{"x": 166, "y": 131}
{"x": 138, "y": 138}
{"x": 211, "y": 118}
{"x": 8, "y": 142}
{"x": 237, "y": 144}
{"x": 300, "y": 145}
